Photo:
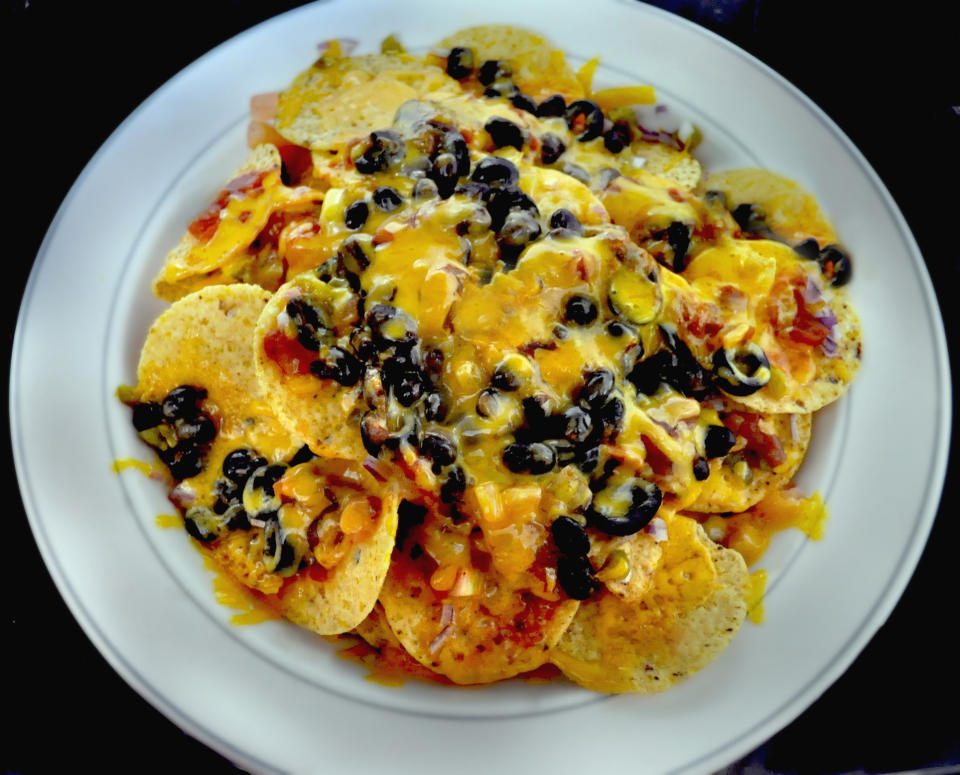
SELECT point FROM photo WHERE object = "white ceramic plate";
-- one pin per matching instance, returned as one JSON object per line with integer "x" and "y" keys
{"x": 275, "y": 698}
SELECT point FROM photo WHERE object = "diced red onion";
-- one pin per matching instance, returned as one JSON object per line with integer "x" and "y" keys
{"x": 829, "y": 347}
{"x": 658, "y": 529}
{"x": 346, "y": 45}
{"x": 811, "y": 293}
{"x": 183, "y": 495}
{"x": 446, "y": 615}
{"x": 794, "y": 430}
{"x": 437, "y": 642}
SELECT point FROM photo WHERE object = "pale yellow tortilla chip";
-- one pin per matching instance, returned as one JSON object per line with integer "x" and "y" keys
{"x": 458, "y": 637}
{"x": 321, "y": 411}
{"x": 539, "y": 69}
{"x": 694, "y": 609}
{"x": 346, "y": 597}
{"x": 727, "y": 490}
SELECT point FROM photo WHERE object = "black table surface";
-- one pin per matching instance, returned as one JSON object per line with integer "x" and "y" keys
{"x": 73, "y": 71}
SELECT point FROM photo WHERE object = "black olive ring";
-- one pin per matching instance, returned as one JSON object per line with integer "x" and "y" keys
{"x": 741, "y": 371}
{"x": 644, "y": 505}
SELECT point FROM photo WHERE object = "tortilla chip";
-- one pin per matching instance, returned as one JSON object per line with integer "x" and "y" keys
{"x": 539, "y": 70}
{"x": 726, "y": 489}
{"x": 346, "y": 597}
{"x": 230, "y": 253}
{"x": 618, "y": 646}
{"x": 321, "y": 411}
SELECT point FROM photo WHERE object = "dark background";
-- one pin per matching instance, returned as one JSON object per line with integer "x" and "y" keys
{"x": 73, "y": 71}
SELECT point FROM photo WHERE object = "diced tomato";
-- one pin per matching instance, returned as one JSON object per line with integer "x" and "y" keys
{"x": 659, "y": 462}
{"x": 296, "y": 161}
{"x": 205, "y": 226}
{"x": 806, "y": 328}
{"x": 765, "y": 445}
{"x": 291, "y": 356}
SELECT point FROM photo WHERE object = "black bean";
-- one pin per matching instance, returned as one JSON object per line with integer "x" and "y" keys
{"x": 552, "y": 106}
{"x": 610, "y": 416}
{"x": 425, "y": 189}
{"x": 226, "y": 494}
{"x": 588, "y": 458}
{"x": 203, "y": 524}
{"x": 575, "y": 424}
{"x": 523, "y": 102}
{"x": 551, "y": 148}
{"x": 596, "y": 388}
{"x": 302, "y": 455}
{"x": 184, "y": 460}
{"x": 570, "y": 537}
{"x": 617, "y": 329}
{"x": 718, "y": 441}
{"x": 338, "y": 365}
{"x": 199, "y": 429}
{"x": 391, "y": 326}
{"x": 459, "y": 62}
{"x": 577, "y": 172}
{"x": 454, "y": 143}
{"x": 701, "y": 469}
{"x": 519, "y": 229}
{"x": 566, "y": 220}
{"x": 576, "y": 577}
{"x": 618, "y": 137}
{"x": 505, "y": 133}
{"x": 488, "y": 402}
{"x": 504, "y": 379}
{"x": 385, "y": 148}
{"x": 454, "y": 486}
{"x": 542, "y": 458}
{"x": 678, "y": 237}
{"x": 517, "y": 457}
{"x": 434, "y": 409}
{"x": 502, "y": 200}
{"x": 147, "y": 415}
{"x": 586, "y": 116}
{"x": 408, "y": 388}
{"x": 444, "y": 172}
{"x": 439, "y": 448}
{"x": 536, "y": 410}
{"x": 182, "y": 401}
{"x": 580, "y": 310}
{"x": 502, "y": 87}
{"x": 495, "y": 171}
{"x": 355, "y": 216}
{"x": 493, "y": 69}
{"x": 240, "y": 463}
{"x": 565, "y": 451}
{"x": 387, "y": 199}
{"x": 751, "y": 218}
{"x": 808, "y": 249}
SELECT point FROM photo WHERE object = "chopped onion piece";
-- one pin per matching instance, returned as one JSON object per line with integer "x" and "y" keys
{"x": 658, "y": 529}
{"x": 437, "y": 642}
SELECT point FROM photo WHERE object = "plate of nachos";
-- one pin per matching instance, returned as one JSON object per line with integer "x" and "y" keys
{"x": 471, "y": 378}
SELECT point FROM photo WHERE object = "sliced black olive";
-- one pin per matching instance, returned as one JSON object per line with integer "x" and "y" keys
{"x": 182, "y": 401}
{"x": 751, "y": 218}
{"x": 580, "y": 310}
{"x": 387, "y": 199}
{"x": 576, "y": 577}
{"x": 577, "y": 172}
{"x": 493, "y": 170}
{"x": 624, "y": 509}
{"x": 459, "y": 62}
{"x": 617, "y": 329}
{"x": 552, "y": 106}
{"x": 741, "y": 371}
{"x": 684, "y": 371}
{"x": 648, "y": 374}
{"x": 505, "y": 133}
{"x": 835, "y": 265}
{"x": 501, "y": 201}
{"x": 585, "y": 116}
{"x": 570, "y": 537}
{"x": 718, "y": 441}
{"x": 551, "y": 148}
{"x": 492, "y": 70}
{"x": 519, "y": 229}
{"x": 239, "y": 464}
